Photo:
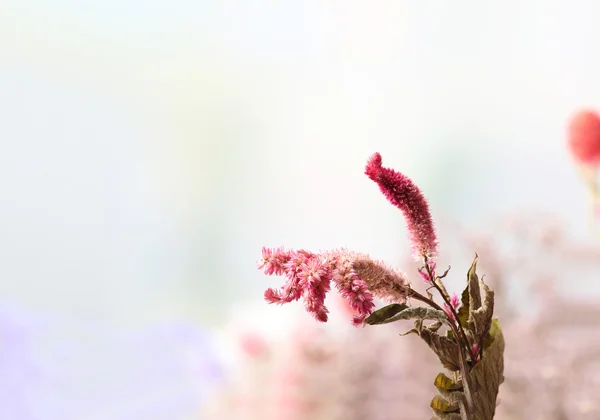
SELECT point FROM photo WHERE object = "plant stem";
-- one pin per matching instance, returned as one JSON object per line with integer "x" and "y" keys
{"x": 444, "y": 296}
{"x": 462, "y": 358}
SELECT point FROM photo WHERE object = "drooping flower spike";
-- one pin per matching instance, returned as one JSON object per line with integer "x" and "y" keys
{"x": 358, "y": 278}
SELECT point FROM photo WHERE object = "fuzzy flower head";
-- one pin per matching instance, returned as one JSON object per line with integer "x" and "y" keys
{"x": 584, "y": 137}
{"x": 357, "y": 278}
{"x": 404, "y": 194}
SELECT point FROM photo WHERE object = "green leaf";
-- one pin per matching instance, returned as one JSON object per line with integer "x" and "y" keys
{"x": 445, "y": 383}
{"x": 473, "y": 284}
{"x": 463, "y": 311}
{"x": 415, "y": 312}
{"x": 494, "y": 331}
{"x": 440, "y": 404}
{"x": 381, "y": 315}
{"x": 480, "y": 320}
{"x": 471, "y": 297}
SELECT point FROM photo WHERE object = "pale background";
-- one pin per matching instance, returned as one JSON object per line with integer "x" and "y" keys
{"x": 149, "y": 149}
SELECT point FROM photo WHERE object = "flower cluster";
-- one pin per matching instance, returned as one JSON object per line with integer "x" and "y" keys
{"x": 358, "y": 278}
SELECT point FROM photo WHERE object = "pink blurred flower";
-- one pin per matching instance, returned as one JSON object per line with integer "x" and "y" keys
{"x": 584, "y": 137}
{"x": 253, "y": 344}
{"x": 404, "y": 194}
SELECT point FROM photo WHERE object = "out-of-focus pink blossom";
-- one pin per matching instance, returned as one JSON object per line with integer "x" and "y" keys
{"x": 254, "y": 345}
{"x": 404, "y": 194}
{"x": 584, "y": 137}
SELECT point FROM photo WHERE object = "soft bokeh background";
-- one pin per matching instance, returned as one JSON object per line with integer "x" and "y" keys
{"x": 149, "y": 149}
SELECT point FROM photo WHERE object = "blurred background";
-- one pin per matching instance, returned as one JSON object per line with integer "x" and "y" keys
{"x": 150, "y": 149}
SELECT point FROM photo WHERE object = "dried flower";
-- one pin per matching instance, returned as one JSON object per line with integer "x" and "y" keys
{"x": 584, "y": 137}
{"x": 404, "y": 194}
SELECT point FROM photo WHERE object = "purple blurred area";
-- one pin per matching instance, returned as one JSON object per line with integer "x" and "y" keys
{"x": 59, "y": 368}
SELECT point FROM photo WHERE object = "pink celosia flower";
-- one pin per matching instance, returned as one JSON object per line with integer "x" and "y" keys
{"x": 315, "y": 280}
{"x": 454, "y": 304}
{"x": 425, "y": 275}
{"x": 273, "y": 261}
{"x": 449, "y": 312}
{"x": 404, "y": 194}
{"x": 358, "y": 278}
{"x": 427, "y": 278}
{"x": 475, "y": 351}
{"x": 454, "y": 301}
{"x": 385, "y": 282}
{"x": 584, "y": 137}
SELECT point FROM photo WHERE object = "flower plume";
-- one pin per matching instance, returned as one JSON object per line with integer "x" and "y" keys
{"x": 404, "y": 194}
{"x": 358, "y": 278}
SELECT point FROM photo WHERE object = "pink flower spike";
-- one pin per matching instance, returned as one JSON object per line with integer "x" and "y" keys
{"x": 425, "y": 275}
{"x": 432, "y": 266}
{"x": 404, "y": 194}
{"x": 357, "y": 277}
{"x": 449, "y": 312}
{"x": 475, "y": 351}
{"x": 454, "y": 301}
